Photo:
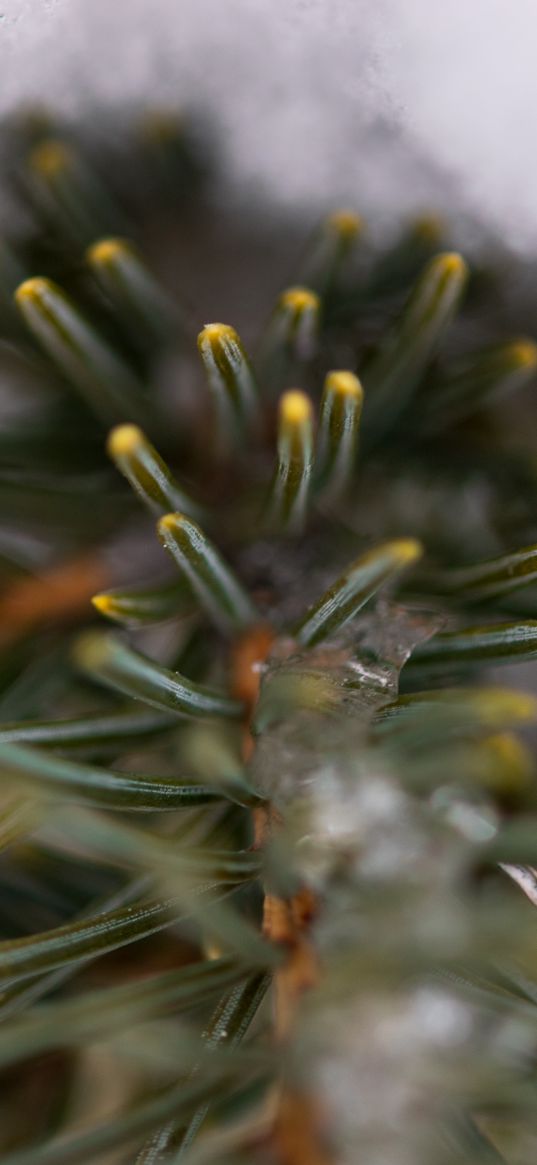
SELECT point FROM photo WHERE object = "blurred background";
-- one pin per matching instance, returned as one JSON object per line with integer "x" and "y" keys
{"x": 389, "y": 105}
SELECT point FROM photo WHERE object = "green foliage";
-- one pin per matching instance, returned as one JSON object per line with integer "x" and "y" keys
{"x": 268, "y": 860}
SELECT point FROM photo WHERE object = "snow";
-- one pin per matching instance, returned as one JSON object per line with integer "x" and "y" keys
{"x": 385, "y": 105}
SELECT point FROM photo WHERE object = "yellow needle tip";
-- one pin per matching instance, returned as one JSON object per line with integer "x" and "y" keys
{"x": 107, "y": 251}
{"x": 429, "y": 228}
{"x": 344, "y": 384}
{"x": 32, "y": 289}
{"x": 498, "y": 702}
{"x": 407, "y": 550}
{"x": 346, "y": 223}
{"x": 295, "y": 407}
{"x": 91, "y": 649}
{"x": 124, "y": 440}
{"x": 215, "y": 334}
{"x": 102, "y": 604}
{"x": 514, "y": 757}
{"x": 51, "y": 157}
{"x": 452, "y": 263}
{"x": 300, "y": 299}
{"x": 524, "y": 353}
{"x": 169, "y": 523}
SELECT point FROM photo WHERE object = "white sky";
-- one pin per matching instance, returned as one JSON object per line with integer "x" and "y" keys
{"x": 299, "y": 86}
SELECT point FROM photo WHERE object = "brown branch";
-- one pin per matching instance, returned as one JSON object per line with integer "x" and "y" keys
{"x": 296, "y": 1135}
{"x": 59, "y": 595}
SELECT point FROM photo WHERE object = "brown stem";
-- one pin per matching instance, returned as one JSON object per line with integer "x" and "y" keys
{"x": 296, "y": 1134}
{"x": 59, "y": 595}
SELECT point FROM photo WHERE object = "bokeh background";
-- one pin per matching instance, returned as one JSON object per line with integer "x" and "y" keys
{"x": 387, "y": 104}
